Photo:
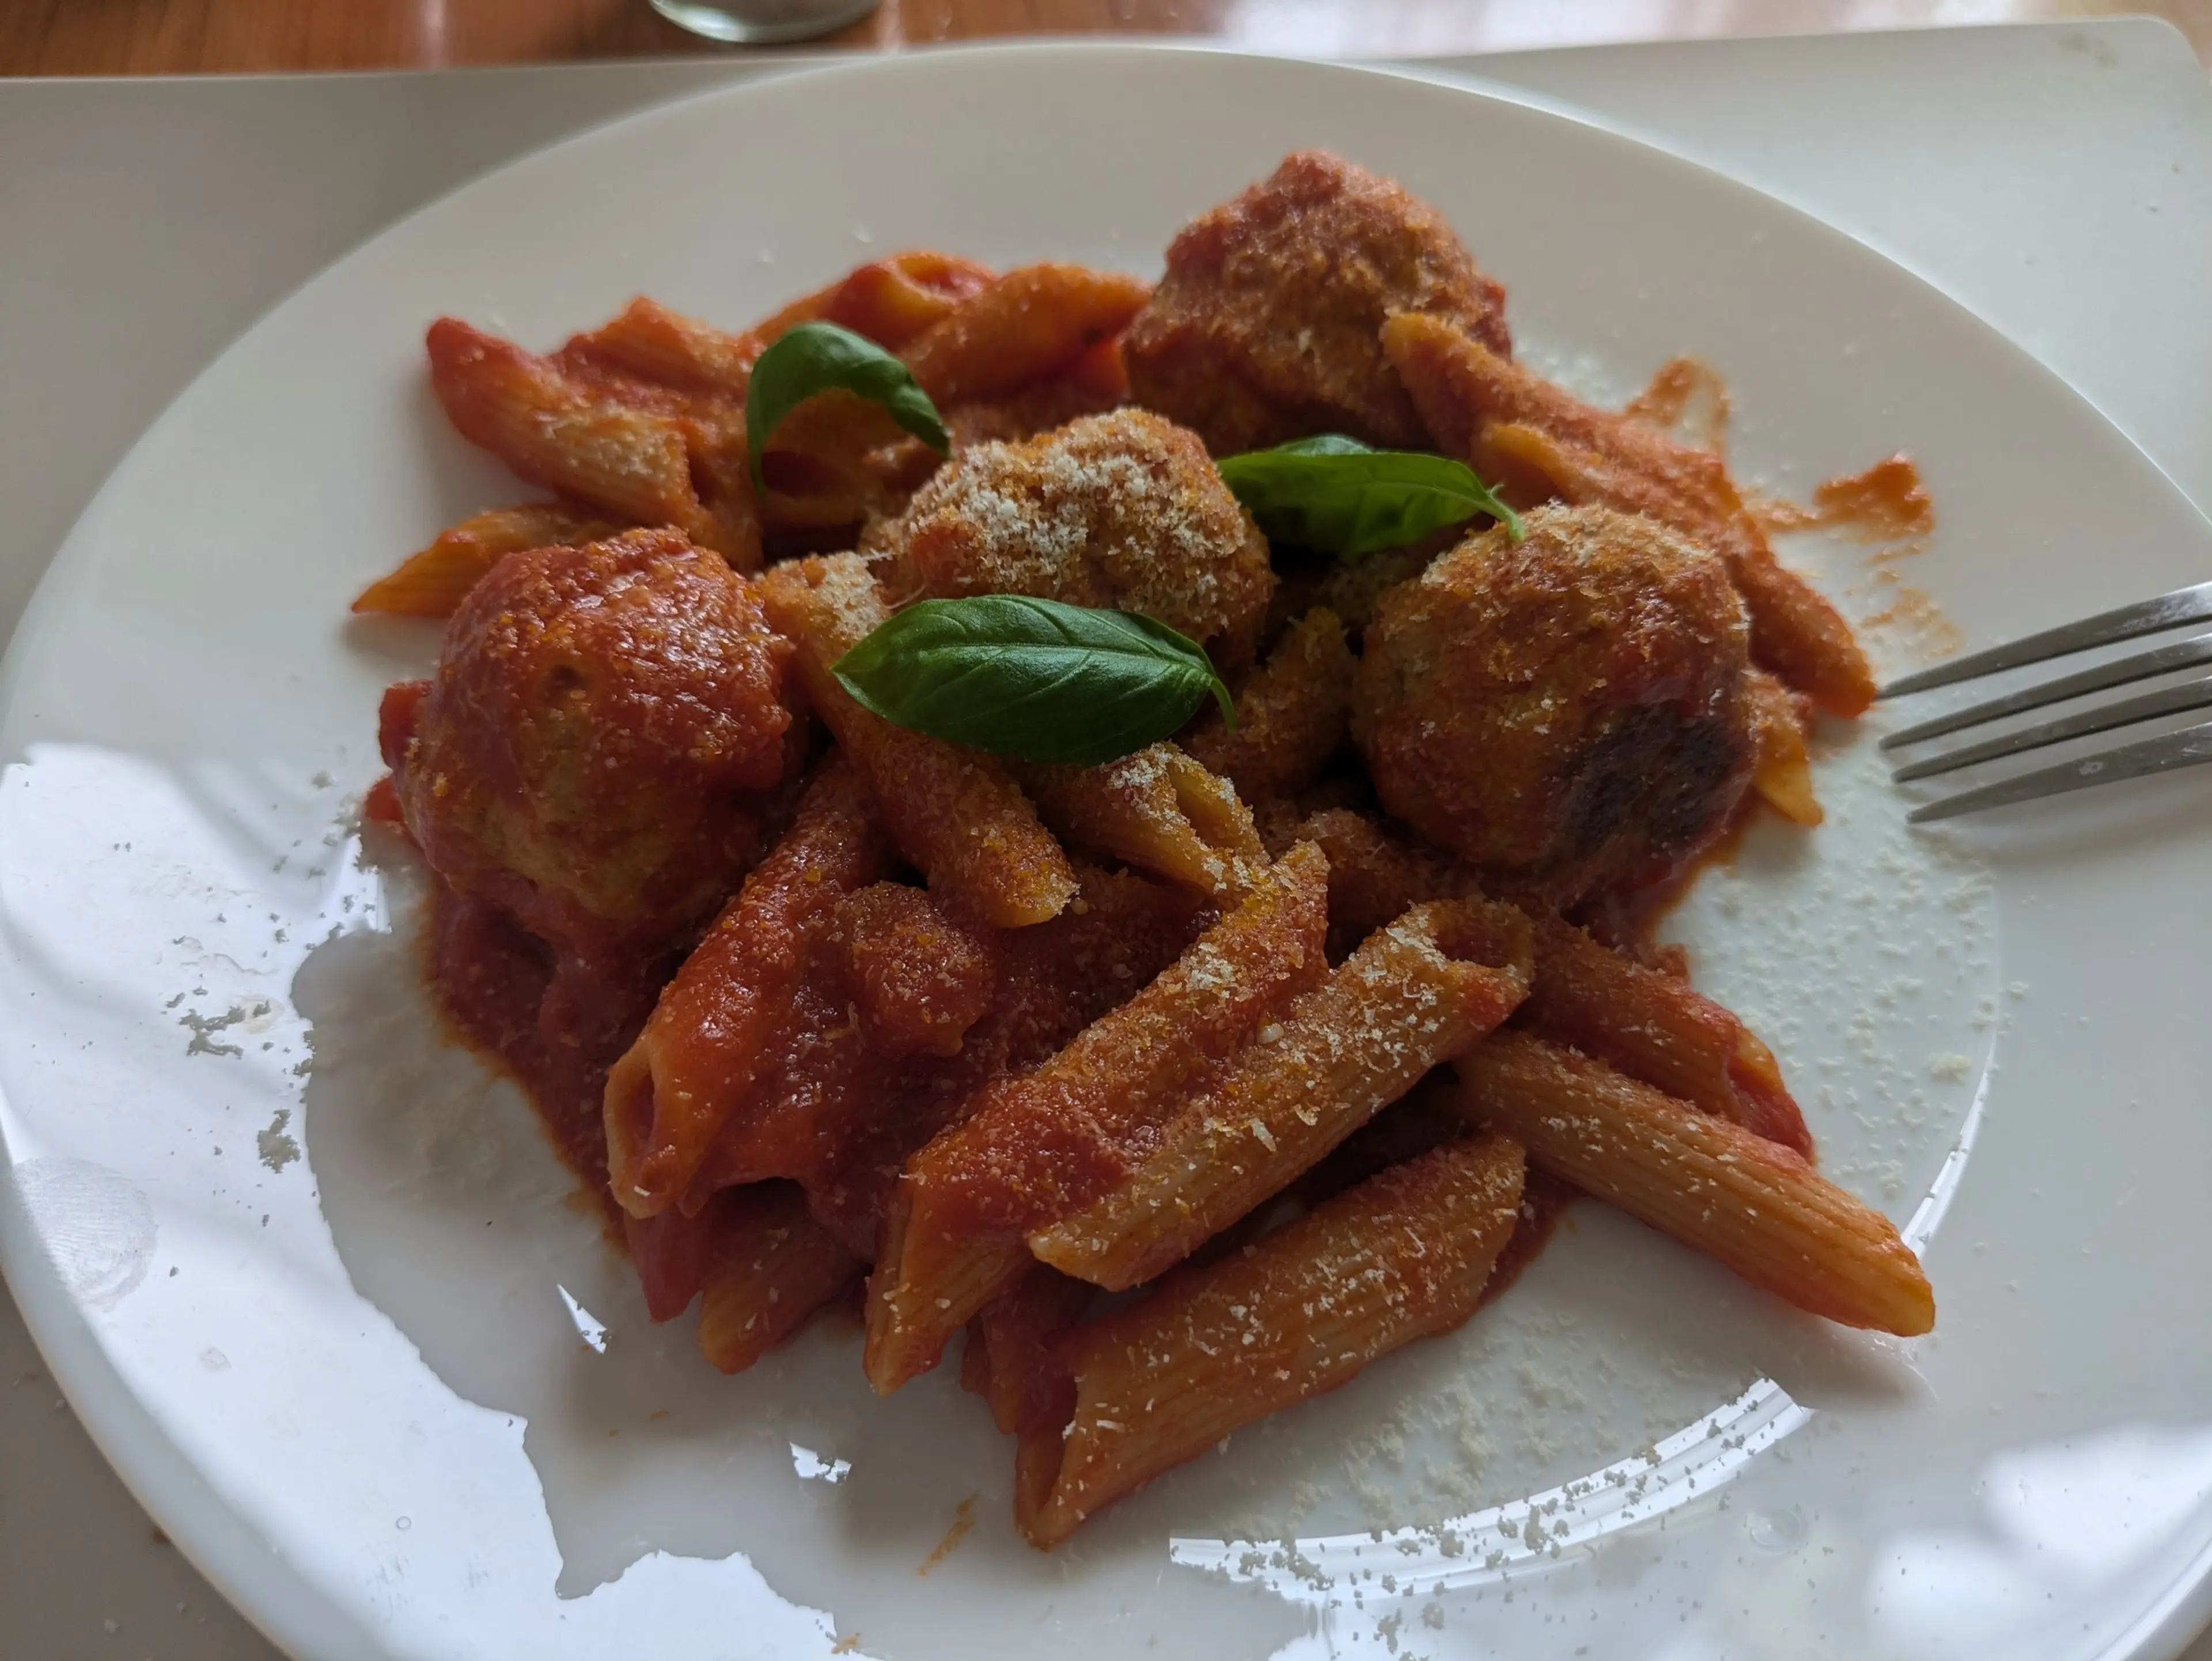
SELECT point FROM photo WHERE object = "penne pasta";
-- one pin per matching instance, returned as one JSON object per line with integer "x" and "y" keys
{"x": 1009, "y": 1361}
{"x": 955, "y": 813}
{"x": 893, "y": 300}
{"x": 669, "y": 1252}
{"x": 1373, "y": 876}
{"x": 814, "y": 467}
{"x": 821, "y": 468}
{"x": 899, "y": 1011}
{"x": 432, "y": 580}
{"x": 1100, "y": 373}
{"x": 1423, "y": 1118}
{"x": 1651, "y": 1024}
{"x": 656, "y": 344}
{"x": 888, "y": 300}
{"x": 1292, "y": 714}
{"x": 1414, "y": 995}
{"x": 1094, "y": 383}
{"x": 1030, "y": 324}
{"x": 1158, "y": 810}
{"x": 1755, "y": 1207}
{"x": 1542, "y": 441}
{"x": 883, "y": 977}
{"x": 1036, "y": 1148}
{"x": 671, "y": 1091}
{"x": 918, "y": 978}
{"x": 1402, "y": 1255}
{"x": 1783, "y": 772}
{"x": 1654, "y": 1026}
{"x": 768, "y": 1267}
{"x": 631, "y": 456}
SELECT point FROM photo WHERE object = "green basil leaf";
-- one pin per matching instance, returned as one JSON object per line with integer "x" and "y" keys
{"x": 1031, "y": 679}
{"x": 1335, "y": 495}
{"x": 819, "y": 357}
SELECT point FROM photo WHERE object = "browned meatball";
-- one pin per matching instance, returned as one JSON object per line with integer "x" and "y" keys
{"x": 1572, "y": 709}
{"x": 1266, "y": 325}
{"x": 1123, "y": 509}
{"x": 592, "y": 753}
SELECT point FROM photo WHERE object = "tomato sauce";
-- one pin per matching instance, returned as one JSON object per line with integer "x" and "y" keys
{"x": 1885, "y": 502}
{"x": 1688, "y": 398}
{"x": 555, "y": 1028}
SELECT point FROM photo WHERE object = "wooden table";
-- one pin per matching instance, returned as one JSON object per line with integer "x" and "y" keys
{"x": 174, "y": 37}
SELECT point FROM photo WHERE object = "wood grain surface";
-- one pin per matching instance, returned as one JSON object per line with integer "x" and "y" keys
{"x": 183, "y": 37}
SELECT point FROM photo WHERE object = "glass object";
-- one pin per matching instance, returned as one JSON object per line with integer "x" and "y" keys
{"x": 763, "y": 22}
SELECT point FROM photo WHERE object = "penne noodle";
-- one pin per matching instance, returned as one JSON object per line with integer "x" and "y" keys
{"x": 1039, "y": 1146}
{"x": 669, "y": 1252}
{"x": 810, "y": 307}
{"x": 1373, "y": 876}
{"x": 918, "y": 977}
{"x": 1100, "y": 374}
{"x": 893, "y": 300}
{"x": 1402, "y": 1255}
{"x": 1421, "y": 1119}
{"x": 700, "y": 1052}
{"x": 768, "y": 1266}
{"x": 1757, "y": 1207}
{"x": 631, "y": 462}
{"x": 1028, "y": 324}
{"x": 818, "y": 470}
{"x": 649, "y": 340}
{"x": 889, "y": 301}
{"x": 1292, "y": 714}
{"x": 432, "y": 581}
{"x": 1009, "y": 1361}
{"x": 1783, "y": 773}
{"x": 884, "y": 977}
{"x": 1160, "y": 811}
{"x": 1419, "y": 992}
{"x": 1652, "y": 1025}
{"x": 955, "y": 813}
{"x": 1543, "y": 441}
{"x": 1096, "y": 382}
{"x": 816, "y": 465}
{"x": 901, "y": 1012}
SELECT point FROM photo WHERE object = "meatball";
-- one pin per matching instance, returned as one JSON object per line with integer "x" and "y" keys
{"x": 1266, "y": 326}
{"x": 594, "y": 751}
{"x": 1123, "y": 510}
{"x": 1573, "y": 710}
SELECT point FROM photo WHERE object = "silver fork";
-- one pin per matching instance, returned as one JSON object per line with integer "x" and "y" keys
{"x": 2183, "y": 747}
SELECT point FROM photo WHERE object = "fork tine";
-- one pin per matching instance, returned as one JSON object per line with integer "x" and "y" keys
{"x": 2167, "y": 701}
{"x": 2191, "y": 746}
{"x": 2145, "y": 617}
{"x": 2159, "y": 660}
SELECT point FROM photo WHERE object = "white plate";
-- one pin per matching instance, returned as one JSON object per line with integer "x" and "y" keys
{"x": 361, "y": 1387}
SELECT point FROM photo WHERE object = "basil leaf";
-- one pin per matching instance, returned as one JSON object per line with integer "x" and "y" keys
{"x": 1334, "y": 494}
{"x": 1031, "y": 679}
{"x": 819, "y": 357}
